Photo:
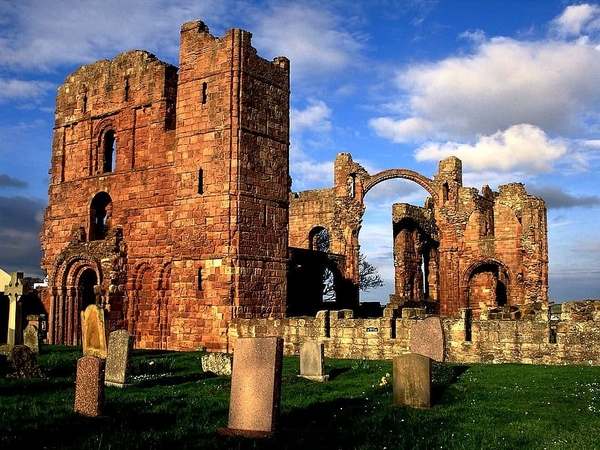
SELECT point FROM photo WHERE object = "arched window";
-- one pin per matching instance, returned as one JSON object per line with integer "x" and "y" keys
{"x": 100, "y": 215}
{"x": 319, "y": 239}
{"x": 109, "y": 145}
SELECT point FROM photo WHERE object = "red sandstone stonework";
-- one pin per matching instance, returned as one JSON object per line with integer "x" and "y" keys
{"x": 170, "y": 206}
{"x": 169, "y": 192}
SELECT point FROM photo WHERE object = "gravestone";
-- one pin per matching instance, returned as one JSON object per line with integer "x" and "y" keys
{"x": 412, "y": 380}
{"x": 312, "y": 361}
{"x": 22, "y": 363}
{"x": 89, "y": 386}
{"x": 14, "y": 290}
{"x": 255, "y": 387}
{"x": 217, "y": 363}
{"x": 94, "y": 331}
{"x": 427, "y": 338}
{"x": 118, "y": 358}
{"x": 31, "y": 338}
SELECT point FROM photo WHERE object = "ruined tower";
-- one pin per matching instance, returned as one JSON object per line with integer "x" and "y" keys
{"x": 168, "y": 198}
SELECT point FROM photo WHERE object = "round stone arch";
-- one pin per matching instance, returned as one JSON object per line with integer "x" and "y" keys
{"x": 407, "y": 174}
{"x": 74, "y": 283}
{"x": 487, "y": 269}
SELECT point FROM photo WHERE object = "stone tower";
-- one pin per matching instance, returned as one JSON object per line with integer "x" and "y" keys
{"x": 168, "y": 199}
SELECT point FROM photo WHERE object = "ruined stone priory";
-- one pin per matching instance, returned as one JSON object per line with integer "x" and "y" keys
{"x": 170, "y": 205}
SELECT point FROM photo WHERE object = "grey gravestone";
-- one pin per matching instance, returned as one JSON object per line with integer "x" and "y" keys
{"x": 94, "y": 331}
{"x": 89, "y": 386}
{"x": 312, "y": 361}
{"x": 255, "y": 387}
{"x": 31, "y": 338}
{"x": 217, "y": 363}
{"x": 427, "y": 338}
{"x": 14, "y": 290}
{"x": 412, "y": 380}
{"x": 118, "y": 358}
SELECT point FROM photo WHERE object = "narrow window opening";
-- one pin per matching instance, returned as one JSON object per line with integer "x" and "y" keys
{"x": 110, "y": 151}
{"x": 85, "y": 99}
{"x": 200, "y": 181}
{"x": 100, "y": 216}
{"x": 126, "y": 93}
{"x": 264, "y": 216}
{"x": 199, "y": 278}
{"x": 204, "y": 89}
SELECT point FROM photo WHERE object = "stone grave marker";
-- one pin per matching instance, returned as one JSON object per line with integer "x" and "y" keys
{"x": 94, "y": 331}
{"x": 118, "y": 358}
{"x": 255, "y": 387}
{"x": 89, "y": 386}
{"x": 412, "y": 380}
{"x": 31, "y": 338}
{"x": 427, "y": 338}
{"x": 22, "y": 363}
{"x": 14, "y": 290}
{"x": 312, "y": 361}
{"x": 218, "y": 363}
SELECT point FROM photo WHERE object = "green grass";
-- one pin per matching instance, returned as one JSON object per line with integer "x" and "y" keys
{"x": 172, "y": 404}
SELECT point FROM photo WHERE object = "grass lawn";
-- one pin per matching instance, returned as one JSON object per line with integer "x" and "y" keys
{"x": 172, "y": 404}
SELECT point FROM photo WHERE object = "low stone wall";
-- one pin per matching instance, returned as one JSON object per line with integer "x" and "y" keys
{"x": 531, "y": 339}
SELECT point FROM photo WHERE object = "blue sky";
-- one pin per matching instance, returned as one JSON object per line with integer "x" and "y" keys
{"x": 510, "y": 87}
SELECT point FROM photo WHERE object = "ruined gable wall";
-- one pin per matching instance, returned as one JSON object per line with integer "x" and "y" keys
{"x": 133, "y": 96}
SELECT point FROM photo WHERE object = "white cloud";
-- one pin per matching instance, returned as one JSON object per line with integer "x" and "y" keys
{"x": 315, "y": 117}
{"x": 578, "y": 19}
{"x": 404, "y": 130}
{"x": 313, "y": 39}
{"x": 521, "y": 147}
{"x": 43, "y": 35}
{"x": 20, "y": 90}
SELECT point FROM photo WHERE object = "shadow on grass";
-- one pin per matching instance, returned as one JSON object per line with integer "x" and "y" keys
{"x": 172, "y": 380}
{"x": 334, "y": 373}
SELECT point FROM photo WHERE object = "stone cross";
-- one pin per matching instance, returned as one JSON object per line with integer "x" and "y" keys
{"x": 14, "y": 290}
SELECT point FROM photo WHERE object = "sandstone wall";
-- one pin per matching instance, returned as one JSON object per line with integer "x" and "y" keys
{"x": 535, "y": 339}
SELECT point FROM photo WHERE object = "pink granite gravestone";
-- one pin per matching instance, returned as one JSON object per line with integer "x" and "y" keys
{"x": 89, "y": 386}
{"x": 427, "y": 338}
{"x": 255, "y": 387}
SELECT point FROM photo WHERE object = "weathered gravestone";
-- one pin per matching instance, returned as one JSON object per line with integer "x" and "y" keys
{"x": 118, "y": 358}
{"x": 412, "y": 380}
{"x": 22, "y": 363}
{"x": 31, "y": 338}
{"x": 217, "y": 363}
{"x": 255, "y": 387}
{"x": 14, "y": 290}
{"x": 312, "y": 361}
{"x": 427, "y": 338}
{"x": 94, "y": 331}
{"x": 89, "y": 386}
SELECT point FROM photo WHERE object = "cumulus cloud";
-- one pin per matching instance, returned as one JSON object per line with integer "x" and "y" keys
{"x": 314, "y": 117}
{"x": 523, "y": 147}
{"x": 315, "y": 40}
{"x": 577, "y": 19}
